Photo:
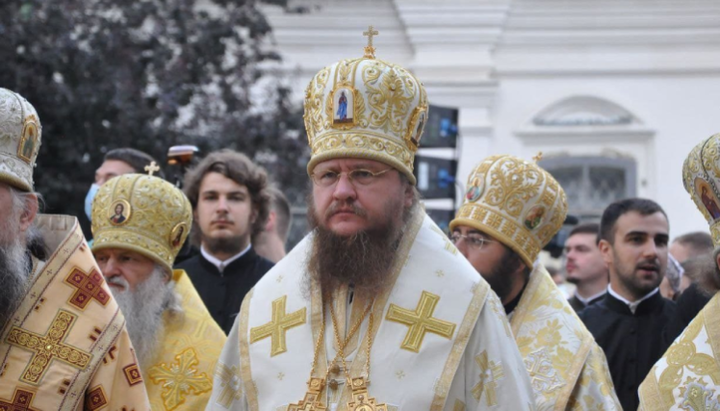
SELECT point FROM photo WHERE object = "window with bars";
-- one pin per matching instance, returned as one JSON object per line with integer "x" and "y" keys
{"x": 592, "y": 183}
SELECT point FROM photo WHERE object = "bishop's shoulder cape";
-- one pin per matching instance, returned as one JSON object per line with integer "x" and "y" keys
{"x": 568, "y": 370}
{"x": 687, "y": 377}
{"x": 441, "y": 340}
{"x": 66, "y": 346}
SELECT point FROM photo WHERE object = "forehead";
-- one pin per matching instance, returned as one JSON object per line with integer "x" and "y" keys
{"x": 214, "y": 181}
{"x": 651, "y": 224}
{"x": 115, "y": 167}
{"x": 117, "y": 252}
{"x": 349, "y": 164}
{"x": 582, "y": 238}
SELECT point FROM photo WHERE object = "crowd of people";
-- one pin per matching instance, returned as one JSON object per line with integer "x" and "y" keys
{"x": 185, "y": 299}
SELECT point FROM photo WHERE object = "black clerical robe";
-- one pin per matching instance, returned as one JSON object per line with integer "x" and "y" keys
{"x": 689, "y": 304}
{"x": 578, "y": 305}
{"x": 632, "y": 342}
{"x": 223, "y": 293}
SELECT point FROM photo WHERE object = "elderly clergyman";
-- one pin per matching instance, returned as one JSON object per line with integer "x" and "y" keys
{"x": 177, "y": 341}
{"x": 63, "y": 341}
{"x": 375, "y": 309}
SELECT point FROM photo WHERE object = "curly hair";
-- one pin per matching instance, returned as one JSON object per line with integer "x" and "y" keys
{"x": 239, "y": 168}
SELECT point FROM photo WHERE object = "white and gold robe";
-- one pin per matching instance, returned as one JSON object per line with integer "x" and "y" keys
{"x": 440, "y": 339}
{"x": 687, "y": 377}
{"x": 567, "y": 369}
{"x": 66, "y": 346}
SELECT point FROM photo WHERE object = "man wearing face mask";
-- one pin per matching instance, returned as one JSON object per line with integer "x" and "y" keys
{"x": 117, "y": 162}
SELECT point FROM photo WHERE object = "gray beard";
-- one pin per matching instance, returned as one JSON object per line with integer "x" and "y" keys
{"x": 14, "y": 274}
{"x": 143, "y": 309}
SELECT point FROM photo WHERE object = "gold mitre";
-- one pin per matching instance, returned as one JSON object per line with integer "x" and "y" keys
{"x": 20, "y": 133}
{"x": 365, "y": 108}
{"x": 141, "y": 213}
{"x": 515, "y": 202}
{"x": 701, "y": 178}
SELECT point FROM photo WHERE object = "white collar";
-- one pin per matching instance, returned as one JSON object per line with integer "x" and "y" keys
{"x": 632, "y": 305}
{"x": 222, "y": 264}
{"x": 592, "y": 297}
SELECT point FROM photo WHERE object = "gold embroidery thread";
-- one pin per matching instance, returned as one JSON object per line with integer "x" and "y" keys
{"x": 278, "y": 326}
{"x": 420, "y": 322}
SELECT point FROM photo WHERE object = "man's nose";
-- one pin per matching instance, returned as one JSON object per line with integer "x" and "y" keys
{"x": 344, "y": 189}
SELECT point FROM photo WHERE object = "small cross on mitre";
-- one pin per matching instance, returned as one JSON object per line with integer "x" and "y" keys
{"x": 538, "y": 157}
{"x": 369, "y": 49}
{"x": 152, "y": 168}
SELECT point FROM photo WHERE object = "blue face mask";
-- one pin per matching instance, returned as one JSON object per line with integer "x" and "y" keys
{"x": 89, "y": 200}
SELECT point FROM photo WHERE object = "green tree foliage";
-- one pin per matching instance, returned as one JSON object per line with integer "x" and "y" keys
{"x": 147, "y": 74}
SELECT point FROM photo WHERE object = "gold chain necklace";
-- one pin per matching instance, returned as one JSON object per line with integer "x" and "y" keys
{"x": 360, "y": 401}
{"x": 312, "y": 400}
{"x": 332, "y": 367}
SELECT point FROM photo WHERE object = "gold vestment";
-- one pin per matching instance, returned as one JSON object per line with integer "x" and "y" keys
{"x": 180, "y": 377}
{"x": 66, "y": 346}
{"x": 567, "y": 369}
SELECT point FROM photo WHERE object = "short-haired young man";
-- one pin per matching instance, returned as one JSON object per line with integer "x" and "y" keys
{"x": 228, "y": 193}
{"x": 630, "y": 322}
{"x": 585, "y": 266}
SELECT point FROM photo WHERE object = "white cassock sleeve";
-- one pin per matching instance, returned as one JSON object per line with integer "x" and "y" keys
{"x": 491, "y": 374}
{"x": 228, "y": 393}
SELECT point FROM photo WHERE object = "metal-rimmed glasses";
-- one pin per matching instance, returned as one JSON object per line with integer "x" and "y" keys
{"x": 360, "y": 176}
{"x": 473, "y": 240}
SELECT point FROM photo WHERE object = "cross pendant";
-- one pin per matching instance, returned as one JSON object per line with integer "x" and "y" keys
{"x": 360, "y": 399}
{"x": 312, "y": 401}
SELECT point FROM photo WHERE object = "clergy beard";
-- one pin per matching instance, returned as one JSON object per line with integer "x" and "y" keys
{"x": 501, "y": 277}
{"x": 223, "y": 245}
{"x": 143, "y": 309}
{"x": 13, "y": 267}
{"x": 363, "y": 259}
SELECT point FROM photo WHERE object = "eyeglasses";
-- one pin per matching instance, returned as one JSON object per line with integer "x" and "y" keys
{"x": 359, "y": 176}
{"x": 474, "y": 241}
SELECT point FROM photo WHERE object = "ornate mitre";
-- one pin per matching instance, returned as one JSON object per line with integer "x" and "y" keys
{"x": 20, "y": 133}
{"x": 141, "y": 213}
{"x": 701, "y": 178}
{"x": 515, "y": 202}
{"x": 365, "y": 108}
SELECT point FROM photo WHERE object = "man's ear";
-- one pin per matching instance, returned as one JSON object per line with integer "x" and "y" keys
{"x": 409, "y": 195}
{"x": 606, "y": 251}
{"x": 271, "y": 221}
{"x": 31, "y": 209}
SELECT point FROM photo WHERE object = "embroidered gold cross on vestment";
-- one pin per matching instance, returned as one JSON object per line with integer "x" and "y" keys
{"x": 490, "y": 373}
{"x": 278, "y": 326}
{"x": 49, "y": 347}
{"x": 420, "y": 321}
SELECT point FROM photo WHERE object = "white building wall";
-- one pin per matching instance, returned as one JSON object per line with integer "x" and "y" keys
{"x": 502, "y": 62}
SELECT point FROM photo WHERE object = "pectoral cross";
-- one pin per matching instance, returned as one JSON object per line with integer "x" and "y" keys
{"x": 152, "y": 168}
{"x": 369, "y": 49}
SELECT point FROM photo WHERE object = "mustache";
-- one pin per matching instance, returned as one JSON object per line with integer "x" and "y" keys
{"x": 648, "y": 265}
{"x": 119, "y": 281}
{"x": 344, "y": 206}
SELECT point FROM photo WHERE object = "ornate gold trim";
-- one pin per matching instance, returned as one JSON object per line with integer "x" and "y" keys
{"x": 246, "y": 368}
{"x": 463, "y": 336}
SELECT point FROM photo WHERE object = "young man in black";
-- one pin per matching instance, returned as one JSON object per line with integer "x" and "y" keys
{"x": 630, "y": 323}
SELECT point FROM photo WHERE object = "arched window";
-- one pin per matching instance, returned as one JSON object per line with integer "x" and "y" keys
{"x": 591, "y": 183}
